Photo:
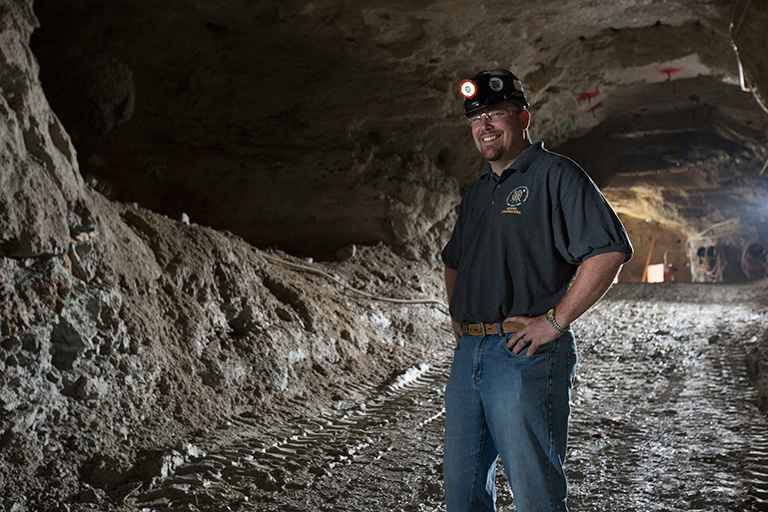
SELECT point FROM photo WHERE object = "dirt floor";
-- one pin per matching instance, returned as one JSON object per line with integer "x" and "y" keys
{"x": 665, "y": 419}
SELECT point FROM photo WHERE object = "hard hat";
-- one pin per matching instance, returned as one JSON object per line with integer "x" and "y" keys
{"x": 491, "y": 87}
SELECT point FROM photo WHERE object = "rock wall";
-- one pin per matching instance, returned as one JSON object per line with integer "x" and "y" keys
{"x": 746, "y": 31}
{"x": 41, "y": 185}
{"x": 124, "y": 333}
{"x": 252, "y": 117}
{"x": 310, "y": 125}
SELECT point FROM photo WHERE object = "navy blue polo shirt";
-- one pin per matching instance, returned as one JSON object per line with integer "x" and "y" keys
{"x": 519, "y": 238}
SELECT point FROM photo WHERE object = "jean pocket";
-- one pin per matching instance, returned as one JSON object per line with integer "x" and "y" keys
{"x": 542, "y": 351}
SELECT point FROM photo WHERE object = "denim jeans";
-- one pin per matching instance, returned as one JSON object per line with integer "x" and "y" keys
{"x": 515, "y": 406}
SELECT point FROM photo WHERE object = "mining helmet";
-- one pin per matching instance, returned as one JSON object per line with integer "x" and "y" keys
{"x": 491, "y": 87}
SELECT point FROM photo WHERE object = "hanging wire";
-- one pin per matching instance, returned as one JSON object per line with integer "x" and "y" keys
{"x": 734, "y": 29}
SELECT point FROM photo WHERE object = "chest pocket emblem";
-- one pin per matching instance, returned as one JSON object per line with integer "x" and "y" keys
{"x": 517, "y": 197}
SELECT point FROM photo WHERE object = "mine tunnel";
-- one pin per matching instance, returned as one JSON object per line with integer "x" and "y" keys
{"x": 221, "y": 284}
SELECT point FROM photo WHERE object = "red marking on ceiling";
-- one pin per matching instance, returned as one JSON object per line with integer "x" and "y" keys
{"x": 592, "y": 110}
{"x": 587, "y": 96}
{"x": 670, "y": 71}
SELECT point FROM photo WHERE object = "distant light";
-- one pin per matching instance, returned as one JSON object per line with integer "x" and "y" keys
{"x": 656, "y": 273}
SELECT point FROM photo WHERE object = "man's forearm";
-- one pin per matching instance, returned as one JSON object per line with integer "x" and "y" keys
{"x": 450, "y": 282}
{"x": 593, "y": 279}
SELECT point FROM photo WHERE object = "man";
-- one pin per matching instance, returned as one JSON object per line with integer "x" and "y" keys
{"x": 535, "y": 245}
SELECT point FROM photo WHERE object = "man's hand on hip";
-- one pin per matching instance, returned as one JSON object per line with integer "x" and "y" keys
{"x": 537, "y": 332}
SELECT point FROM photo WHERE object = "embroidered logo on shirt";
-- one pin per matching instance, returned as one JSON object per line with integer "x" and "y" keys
{"x": 516, "y": 198}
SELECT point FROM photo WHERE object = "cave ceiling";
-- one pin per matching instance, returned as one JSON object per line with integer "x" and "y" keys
{"x": 310, "y": 125}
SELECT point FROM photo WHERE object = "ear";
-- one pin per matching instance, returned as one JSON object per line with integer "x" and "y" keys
{"x": 525, "y": 119}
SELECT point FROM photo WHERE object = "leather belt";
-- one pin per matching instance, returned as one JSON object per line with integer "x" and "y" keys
{"x": 486, "y": 329}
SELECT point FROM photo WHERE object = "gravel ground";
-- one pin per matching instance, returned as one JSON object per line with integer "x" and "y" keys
{"x": 664, "y": 420}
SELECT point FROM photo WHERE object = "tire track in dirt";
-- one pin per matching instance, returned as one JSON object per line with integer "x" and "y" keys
{"x": 664, "y": 413}
{"x": 663, "y": 420}
{"x": 330, "y": 462}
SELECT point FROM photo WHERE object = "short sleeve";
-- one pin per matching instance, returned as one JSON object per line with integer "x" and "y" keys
{"x": 451, "y": 254}
{"x": 583, "y": 221}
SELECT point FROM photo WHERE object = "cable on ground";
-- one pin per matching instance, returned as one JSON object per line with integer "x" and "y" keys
{"x": 338, "y": 281}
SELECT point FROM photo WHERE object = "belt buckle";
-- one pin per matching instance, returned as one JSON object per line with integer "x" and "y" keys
{"x": 482, "y": 329}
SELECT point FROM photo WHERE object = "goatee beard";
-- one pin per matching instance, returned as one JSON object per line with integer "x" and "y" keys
{"x": 492, "y": 154}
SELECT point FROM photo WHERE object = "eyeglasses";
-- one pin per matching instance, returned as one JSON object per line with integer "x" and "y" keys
{"x": 492, "y": 116}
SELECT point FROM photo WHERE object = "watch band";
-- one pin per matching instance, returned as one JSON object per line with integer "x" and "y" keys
{"x": 553, "y": 322}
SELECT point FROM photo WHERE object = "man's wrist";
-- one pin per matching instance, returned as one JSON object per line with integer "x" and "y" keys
{"x": 553, "y": 322}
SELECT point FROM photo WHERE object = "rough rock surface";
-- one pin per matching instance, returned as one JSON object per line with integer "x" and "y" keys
{"x": 348, "y": 113}
{"x": 124, "y": 333}
{"x": 40, "y": 182}
{"x": 152, "y": 331}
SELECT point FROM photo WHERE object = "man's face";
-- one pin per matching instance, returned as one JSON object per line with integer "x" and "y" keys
{"x": 499, "y": 132}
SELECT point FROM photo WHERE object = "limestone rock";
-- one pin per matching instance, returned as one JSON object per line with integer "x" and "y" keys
{"x": 39, "y": 174}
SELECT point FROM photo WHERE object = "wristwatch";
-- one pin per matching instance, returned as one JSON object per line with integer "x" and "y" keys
{"x": 553, "y": 322}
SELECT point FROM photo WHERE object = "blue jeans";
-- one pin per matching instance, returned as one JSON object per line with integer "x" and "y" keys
{"x": 514, "y": 406}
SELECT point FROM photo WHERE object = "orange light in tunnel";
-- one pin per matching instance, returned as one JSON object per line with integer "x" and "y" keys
{"x": 656, "y": 273}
